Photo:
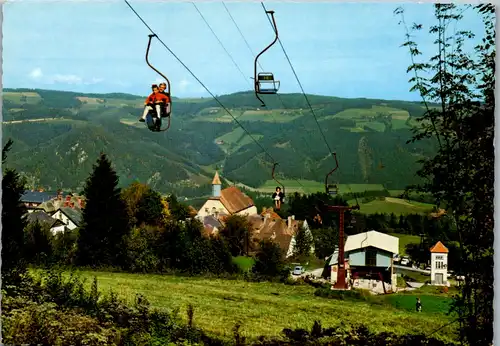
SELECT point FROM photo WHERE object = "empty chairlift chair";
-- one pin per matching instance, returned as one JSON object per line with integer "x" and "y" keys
{"x": 266, "y": 84}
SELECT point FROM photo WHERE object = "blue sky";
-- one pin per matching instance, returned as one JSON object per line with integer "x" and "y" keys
{"x": 337, "y": 49}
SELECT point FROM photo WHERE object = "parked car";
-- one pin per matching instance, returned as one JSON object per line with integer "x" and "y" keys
{"x": 298, "y": 270}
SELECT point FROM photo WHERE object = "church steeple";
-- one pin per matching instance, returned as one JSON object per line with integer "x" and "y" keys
{"x": 216, "y": 185}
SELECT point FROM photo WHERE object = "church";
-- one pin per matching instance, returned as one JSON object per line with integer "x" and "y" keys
{"x": 226, "y": 202}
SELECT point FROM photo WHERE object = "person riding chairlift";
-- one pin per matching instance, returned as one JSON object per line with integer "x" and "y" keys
{"x": 166, "y": 105}
{"x": 156, "y": 98}
{"x": 278, "y": 197}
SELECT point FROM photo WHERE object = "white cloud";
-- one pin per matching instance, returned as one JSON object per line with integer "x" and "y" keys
{"x": 97, "y": 80}
{"x": 183, "y": 84}
{"x": 38, "y": 75}
{"x": 67, "y": 79}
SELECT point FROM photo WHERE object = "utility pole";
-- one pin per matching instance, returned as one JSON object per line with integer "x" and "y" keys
{"x": 341, "y": 272}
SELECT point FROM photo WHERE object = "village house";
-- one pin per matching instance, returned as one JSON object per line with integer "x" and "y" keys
{"x": 439, "y": 265}
{"x": 70, "y": 201}
{"x": 229, "y": 201}
{"x": 270, "y": 225}
{"x": 33, "y": 199}
{"x": 71, "y": 217}
{"x": 368, "y": 261}
{"x": 211, "y": 225}
{"x": 43, "y": 219}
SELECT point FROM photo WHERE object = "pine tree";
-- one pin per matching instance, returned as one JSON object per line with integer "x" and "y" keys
{"x": 38, "y": 243}
{"x": 13, "y": 222}
{"x": 105, "y": 219}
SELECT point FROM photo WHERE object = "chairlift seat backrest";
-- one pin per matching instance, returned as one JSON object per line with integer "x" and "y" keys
{"x": 332, "y": 189}
{"x": 265, "y": 76}
{"x": 267, "y": 84}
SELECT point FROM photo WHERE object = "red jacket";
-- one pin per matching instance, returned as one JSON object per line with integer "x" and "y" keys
{"x": 158, "y": 97}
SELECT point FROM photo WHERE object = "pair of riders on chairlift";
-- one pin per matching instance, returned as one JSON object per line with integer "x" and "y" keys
{"x": 159, "y": 99}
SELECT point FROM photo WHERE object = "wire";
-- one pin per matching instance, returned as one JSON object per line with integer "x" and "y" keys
{"x": 244, "y": 39}
{"x": 230, "y": 56}
{"x": 203, "y": 85}
{"x": 300, "y": 84}
{"x": 253, "y": 54}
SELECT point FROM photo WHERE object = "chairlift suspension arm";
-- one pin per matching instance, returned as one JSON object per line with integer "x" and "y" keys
{"x": 265, "y": 49}
{"x": 331, "y": 172}
{"x": 276, "y": 180}
{"x": 164, "y": 77}
{"x": 147, "y": 61}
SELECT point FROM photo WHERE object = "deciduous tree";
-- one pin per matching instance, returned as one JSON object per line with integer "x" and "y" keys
{"x": 461, "y": 84}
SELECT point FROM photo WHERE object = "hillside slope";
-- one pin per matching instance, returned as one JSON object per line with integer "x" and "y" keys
{"x": 58, "y": 136}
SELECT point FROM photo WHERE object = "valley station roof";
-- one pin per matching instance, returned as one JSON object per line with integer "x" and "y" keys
{"x": 372, "y": 238}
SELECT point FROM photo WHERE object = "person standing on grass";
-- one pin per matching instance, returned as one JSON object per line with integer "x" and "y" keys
{"x": 419, "y": 305}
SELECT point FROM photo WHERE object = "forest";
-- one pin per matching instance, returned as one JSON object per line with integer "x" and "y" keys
{"x": 366, "y": 134}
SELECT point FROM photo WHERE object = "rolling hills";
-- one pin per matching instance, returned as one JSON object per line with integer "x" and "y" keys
{"x": 58, "y": 136}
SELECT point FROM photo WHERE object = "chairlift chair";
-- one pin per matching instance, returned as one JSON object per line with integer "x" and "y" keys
{"x": 264, "y": 81}
{"x": 332, "y": 189}
{"x": 153, "y": 120}
{"x": 266, "y": 84}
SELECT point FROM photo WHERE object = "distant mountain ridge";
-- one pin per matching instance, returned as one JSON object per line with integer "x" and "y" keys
{"x": 58, "y": 135}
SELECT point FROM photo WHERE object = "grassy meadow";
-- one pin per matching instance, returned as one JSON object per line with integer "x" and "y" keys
{"x": 405, "y": 239}
{"x": 309, "y": 186}
{"x": 267, "y": 308}
{"x": 393, "y": 205}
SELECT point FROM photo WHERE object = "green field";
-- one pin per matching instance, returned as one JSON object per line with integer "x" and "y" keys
{"x": 365, "y": 113}
{"x": 274, "y": 116}
{"x": 374, "y": 125}
{"x": 292, "y": 186}
{"x": 405, "y": 239}
{"x": 366, "y": 117}
{"x": 394, "y": 205}
{"x": 267, "y": 308}
{"x": 236, "y": 139}
{"x": 31, "y": 97}
{"x": 357, "y": 188}
{"x": 269, "y": 116}
{"x": 431, "y": 303}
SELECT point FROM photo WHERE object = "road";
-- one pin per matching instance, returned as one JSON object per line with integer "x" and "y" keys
{"x": 30, "y": 120}
{"x": 412, "y": 269}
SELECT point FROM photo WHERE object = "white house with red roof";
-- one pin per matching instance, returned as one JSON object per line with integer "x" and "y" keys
{"x": 229, "y": 201}
{"x": 439, "y": 265}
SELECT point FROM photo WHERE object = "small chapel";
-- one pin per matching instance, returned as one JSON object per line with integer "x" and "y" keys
{"x": 439, "y": 265}
{"x": 225, "y": 202}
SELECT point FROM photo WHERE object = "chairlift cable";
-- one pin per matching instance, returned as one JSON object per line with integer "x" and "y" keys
{"x": 202, "y": 84}
{"x": 222, "y": 45}
{"x": 244, "y": 39}
{"x": 301, "y": 87}
{"x": 300, "y": 84}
